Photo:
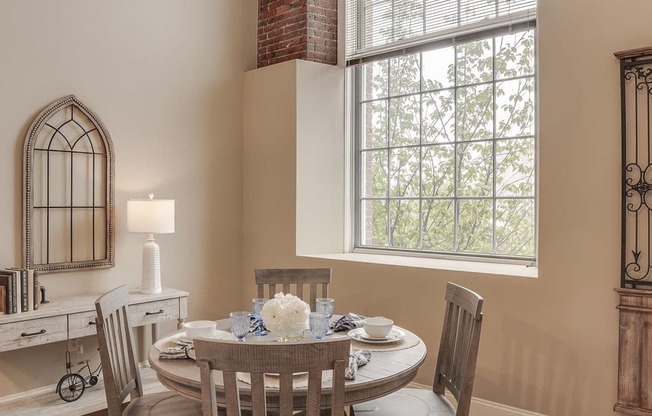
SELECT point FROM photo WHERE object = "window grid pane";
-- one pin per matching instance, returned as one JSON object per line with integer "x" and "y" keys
{"x": 450, "y": 166}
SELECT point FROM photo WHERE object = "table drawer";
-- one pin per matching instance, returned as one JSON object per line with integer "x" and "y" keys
{"x": 154, "y": 312}
{"x": 14, "y": 335}
{"x": 82, "y": 324}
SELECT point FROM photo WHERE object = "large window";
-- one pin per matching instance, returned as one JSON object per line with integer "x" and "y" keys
{"x": 445, "y": 129}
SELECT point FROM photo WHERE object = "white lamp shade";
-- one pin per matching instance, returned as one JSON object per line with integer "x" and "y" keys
{"x": 155, "y": 216}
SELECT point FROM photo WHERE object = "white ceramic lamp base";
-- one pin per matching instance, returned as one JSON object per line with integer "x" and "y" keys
{"x": 151, "y": 267}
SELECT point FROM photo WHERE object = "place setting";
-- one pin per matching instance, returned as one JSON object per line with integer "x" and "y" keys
{"x": 377, "y": 330}
{"x": 376, "y": 333}
{"x": 180, "y": 345}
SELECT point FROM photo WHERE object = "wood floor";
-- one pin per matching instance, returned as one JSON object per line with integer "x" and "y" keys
{"x": 48, "y": 403}
{"x": 92, "y": 403}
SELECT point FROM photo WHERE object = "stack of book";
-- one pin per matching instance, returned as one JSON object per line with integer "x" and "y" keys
{"x": 19, "y": 290}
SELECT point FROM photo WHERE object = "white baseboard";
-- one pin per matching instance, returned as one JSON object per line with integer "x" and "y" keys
{"x": 482, "y": 407}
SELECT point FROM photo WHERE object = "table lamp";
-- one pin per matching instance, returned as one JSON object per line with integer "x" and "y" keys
{"x": 152, "y": 216}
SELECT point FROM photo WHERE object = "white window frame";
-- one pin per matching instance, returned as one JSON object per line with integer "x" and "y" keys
{"x": 353, "y": 104}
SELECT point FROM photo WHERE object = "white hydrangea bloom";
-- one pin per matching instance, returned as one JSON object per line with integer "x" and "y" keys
{"x": 285, "y": 314}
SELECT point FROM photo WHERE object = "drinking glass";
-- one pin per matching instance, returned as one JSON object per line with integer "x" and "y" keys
{"x": 318, "y": 324}
{"x": 240, "y": 324}
{"x": 325, "y": 306}
{"x": 258, "y": 304}
{"x": 258, "y": 326}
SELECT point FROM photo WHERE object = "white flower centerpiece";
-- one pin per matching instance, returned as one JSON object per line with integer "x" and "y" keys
{"x": 286, "y": 316}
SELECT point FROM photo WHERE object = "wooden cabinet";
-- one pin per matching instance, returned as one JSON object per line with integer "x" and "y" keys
{"x": 74, "y": 317}
{"x": 635, "y": 346}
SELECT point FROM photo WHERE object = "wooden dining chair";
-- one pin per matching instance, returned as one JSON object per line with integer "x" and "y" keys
{"x": 292, "y": 281}
{"x": 120, "y": 368}
{"x": 283, "y": 359}
{"x": 455, "y": 371}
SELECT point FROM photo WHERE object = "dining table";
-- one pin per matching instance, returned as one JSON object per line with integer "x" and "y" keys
{"x": 392, "y": 365}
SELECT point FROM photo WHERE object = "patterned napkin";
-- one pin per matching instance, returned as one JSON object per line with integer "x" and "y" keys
{"x": 178, "y": 352}
{"x": 358, "y": 358}
{"x": 257, "y": 327}
{"x": 348, "y": 322}
{"x": 173, "y": 347}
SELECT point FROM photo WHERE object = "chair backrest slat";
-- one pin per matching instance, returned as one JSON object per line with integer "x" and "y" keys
{"x": 292, "y": 281}
{"x": 337, "y": 400}
{"x": 445, "y": 362}
{"x": 121, "y": 362}
{"x": 285, "y": 360}
{"x": 233, "y": 400}
{"x": 458, "y": 349}
{"x": 286, "y": 400}
{"x": 258, "y": 393}
{"x": 298, "y": 291}
{"x": 115, "y": 339}
{"x": 314, "y": 393}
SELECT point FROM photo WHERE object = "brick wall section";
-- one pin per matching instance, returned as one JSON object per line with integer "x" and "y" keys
{"x": 297, "y": 29}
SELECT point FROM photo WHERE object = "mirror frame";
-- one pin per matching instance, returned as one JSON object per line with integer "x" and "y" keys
{"x": 28, "y": 201}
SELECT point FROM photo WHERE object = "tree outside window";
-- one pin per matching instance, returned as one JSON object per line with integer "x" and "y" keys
{"x": 446, "y": 149}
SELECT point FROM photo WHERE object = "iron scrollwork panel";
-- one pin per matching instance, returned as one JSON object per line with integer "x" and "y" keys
{"x": 636, "y": 113}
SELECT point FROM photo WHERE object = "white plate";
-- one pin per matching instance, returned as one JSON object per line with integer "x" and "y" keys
{"x": 170, "y": 342}
{"x": 359, "y": 334}
{"x": 217, "y": 334}
{"x": 181, "y": 339}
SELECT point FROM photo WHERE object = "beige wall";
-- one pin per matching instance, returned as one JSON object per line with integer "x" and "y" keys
{"x": 166, "y": 79}
{"x": 548, "y": 344}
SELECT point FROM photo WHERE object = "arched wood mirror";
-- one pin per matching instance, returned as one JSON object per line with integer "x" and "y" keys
{"x": 68, "y": 195}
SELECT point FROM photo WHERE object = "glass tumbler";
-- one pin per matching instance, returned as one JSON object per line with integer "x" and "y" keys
{"x": 325, "y": 306}
{"x": 318, "y": 324}
{"x": 240, "y": 324}
{"x": 258, "y": 327}
{"x": 257, "y": 304}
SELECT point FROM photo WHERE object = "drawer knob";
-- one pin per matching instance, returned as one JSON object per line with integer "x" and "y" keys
{"x": 31, "y": 334}
{"x": 91, "y": 322}
{"x": 160, "y": 311}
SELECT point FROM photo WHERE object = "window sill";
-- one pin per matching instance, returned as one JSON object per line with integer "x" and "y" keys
{"x": 323, "y": 181}
{"x": 430, "y": 263}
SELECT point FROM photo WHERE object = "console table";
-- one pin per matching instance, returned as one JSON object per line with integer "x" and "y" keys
{"x": 74, "y": 317}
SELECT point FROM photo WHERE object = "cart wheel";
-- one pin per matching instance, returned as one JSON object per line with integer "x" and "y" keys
{"x": 92, "y": 380}
{"x": 71, "y": 387}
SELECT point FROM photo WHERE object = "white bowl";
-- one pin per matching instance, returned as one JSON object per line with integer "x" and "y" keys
{"x": 378, "y": 327}
{"x": 196, "y": 329}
